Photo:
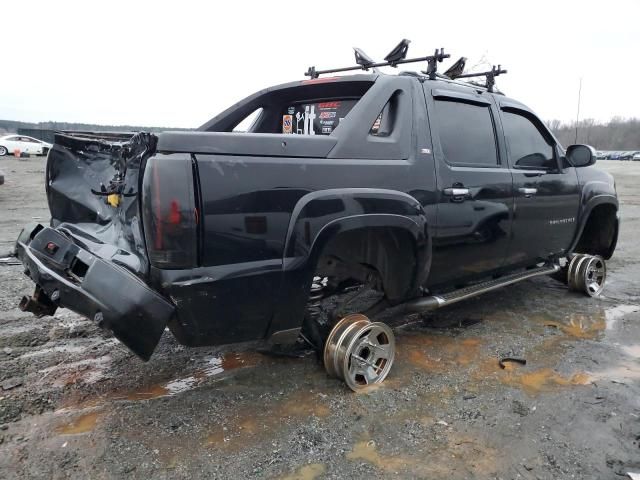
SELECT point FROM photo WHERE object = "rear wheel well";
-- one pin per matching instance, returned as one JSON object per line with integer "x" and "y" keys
{"x": 383, "y": 255}
{"x": 599, "y": 234}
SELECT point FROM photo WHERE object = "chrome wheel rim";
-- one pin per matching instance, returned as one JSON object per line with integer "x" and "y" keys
{"x": 3, "y": 151}
{"x": 587, "y": 273}
{"x": 574, "y": 267}
{"x": 359, "y": 351}
{"x": 593, "y": 275}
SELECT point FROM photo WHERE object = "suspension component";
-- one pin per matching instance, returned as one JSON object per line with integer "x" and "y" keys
{"x": 316, "y": 294}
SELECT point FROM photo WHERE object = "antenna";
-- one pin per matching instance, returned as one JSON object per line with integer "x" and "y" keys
{"x": 578, "y": 112}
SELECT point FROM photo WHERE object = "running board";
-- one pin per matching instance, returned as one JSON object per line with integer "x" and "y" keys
{"x": 436, "y": 301}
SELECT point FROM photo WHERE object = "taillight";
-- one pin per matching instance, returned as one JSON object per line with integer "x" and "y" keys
{"x": 169, "y": 212}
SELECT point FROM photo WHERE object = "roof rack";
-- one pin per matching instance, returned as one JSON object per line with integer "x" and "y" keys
{"x": 397, "y": 56}
{"x": 490, "y": 76}
{"x": 393, "y": 59}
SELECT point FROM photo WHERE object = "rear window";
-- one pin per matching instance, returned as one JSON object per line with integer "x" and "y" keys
{"x": 317, "y": 118}
{"x": 466, "y": 133}
{"x": 301, "y": 109}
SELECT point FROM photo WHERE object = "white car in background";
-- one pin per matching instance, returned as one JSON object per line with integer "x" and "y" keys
{"x": 30, "y": 145}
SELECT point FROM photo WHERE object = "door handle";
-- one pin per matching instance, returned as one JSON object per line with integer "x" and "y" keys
{"x": 528, "y": 192}
{"x": 456, "y": 192}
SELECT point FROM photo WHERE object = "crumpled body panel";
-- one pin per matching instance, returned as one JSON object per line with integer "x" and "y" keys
{"x": 92, "y": 259}
{"x": 92, "y": 190}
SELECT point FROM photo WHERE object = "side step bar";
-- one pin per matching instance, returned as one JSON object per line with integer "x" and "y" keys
{"x": 436, "y": 301}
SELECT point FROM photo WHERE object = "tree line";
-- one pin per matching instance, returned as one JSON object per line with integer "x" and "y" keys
{"x": 616, "y": 134}
{"x": 12, "y": 126}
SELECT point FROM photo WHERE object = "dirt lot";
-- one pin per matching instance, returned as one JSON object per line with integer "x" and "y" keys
{"x": 75, "y": 403}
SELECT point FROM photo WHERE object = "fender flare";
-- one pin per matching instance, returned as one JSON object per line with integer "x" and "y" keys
{"x": 421, "y": 241}
{"x": 361, "y": 208}
{"x": 585, "y": 213}
{"x": 309, "y": 232}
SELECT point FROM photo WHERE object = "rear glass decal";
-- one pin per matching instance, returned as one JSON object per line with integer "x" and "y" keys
{"x": 287, "y": 123}
{"x": 319, "y": 118}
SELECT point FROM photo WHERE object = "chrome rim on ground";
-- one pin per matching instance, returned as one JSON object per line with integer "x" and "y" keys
{"x": 359, "y": 351}
{"x": 594, "y": 274}
{"x": 587, "y": 273}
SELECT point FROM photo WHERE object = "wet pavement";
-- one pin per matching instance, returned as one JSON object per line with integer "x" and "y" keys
{"x": 74, "y": 403}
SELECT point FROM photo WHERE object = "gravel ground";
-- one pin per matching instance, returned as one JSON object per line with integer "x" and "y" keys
{"x": 74, "y": 403}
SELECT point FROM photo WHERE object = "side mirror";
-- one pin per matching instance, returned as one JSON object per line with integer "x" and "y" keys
{"x": 581, "y": 155}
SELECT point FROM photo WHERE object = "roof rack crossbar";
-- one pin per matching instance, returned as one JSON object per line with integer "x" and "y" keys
{"x": 490, "y": 76}
{"x": 431, "y": 60}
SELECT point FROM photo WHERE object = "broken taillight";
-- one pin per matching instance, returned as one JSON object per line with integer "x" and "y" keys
{"x": 169, "y": 212}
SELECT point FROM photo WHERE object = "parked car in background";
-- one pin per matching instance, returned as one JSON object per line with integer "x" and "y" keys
{"x": 627, "y": 155}
{"x": 30, "y": 145}
{"x": 600, "y": 155}
{"x": 636, "y": 157}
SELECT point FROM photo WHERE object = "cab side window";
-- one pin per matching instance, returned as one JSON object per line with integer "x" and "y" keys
{"x": 527, "y": 145}
{"x": 466, "y": 132}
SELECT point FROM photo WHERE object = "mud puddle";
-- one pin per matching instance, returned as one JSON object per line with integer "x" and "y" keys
{"x": 543, "y": 380}
{"x": 367, "y": 451}
{"x": 249, "y": 425}
{"x": 590, "y": 326}
{"x": 307, "y": 472}
{"x": 476, "y": 366}
{"x": 213, "y": 366}
{"x": 86, "y": 422}
{"x": 82, "y": 424}
{"x": 438, "y": 353}
{"x": 480, "y": 459}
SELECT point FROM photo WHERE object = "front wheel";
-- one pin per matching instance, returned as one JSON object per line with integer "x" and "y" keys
{"x": 3, "y": 151}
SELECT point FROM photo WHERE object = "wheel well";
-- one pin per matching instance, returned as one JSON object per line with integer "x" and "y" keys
{"x": 600, "y": 232}
{"x": 386, "y": 253}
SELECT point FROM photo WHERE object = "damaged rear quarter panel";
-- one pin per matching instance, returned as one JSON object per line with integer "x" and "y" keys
{"x": 102, "y": 234}
{"x": 80, "y": 173}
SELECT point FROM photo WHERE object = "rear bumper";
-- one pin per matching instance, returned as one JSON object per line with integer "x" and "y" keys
{"x": 71, "y": 277}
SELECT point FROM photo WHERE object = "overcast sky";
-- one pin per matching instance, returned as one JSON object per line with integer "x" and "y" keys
{"x": 177, "y": 64}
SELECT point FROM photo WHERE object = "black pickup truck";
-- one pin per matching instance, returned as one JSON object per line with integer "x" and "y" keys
{"x": 423, "y": 189}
